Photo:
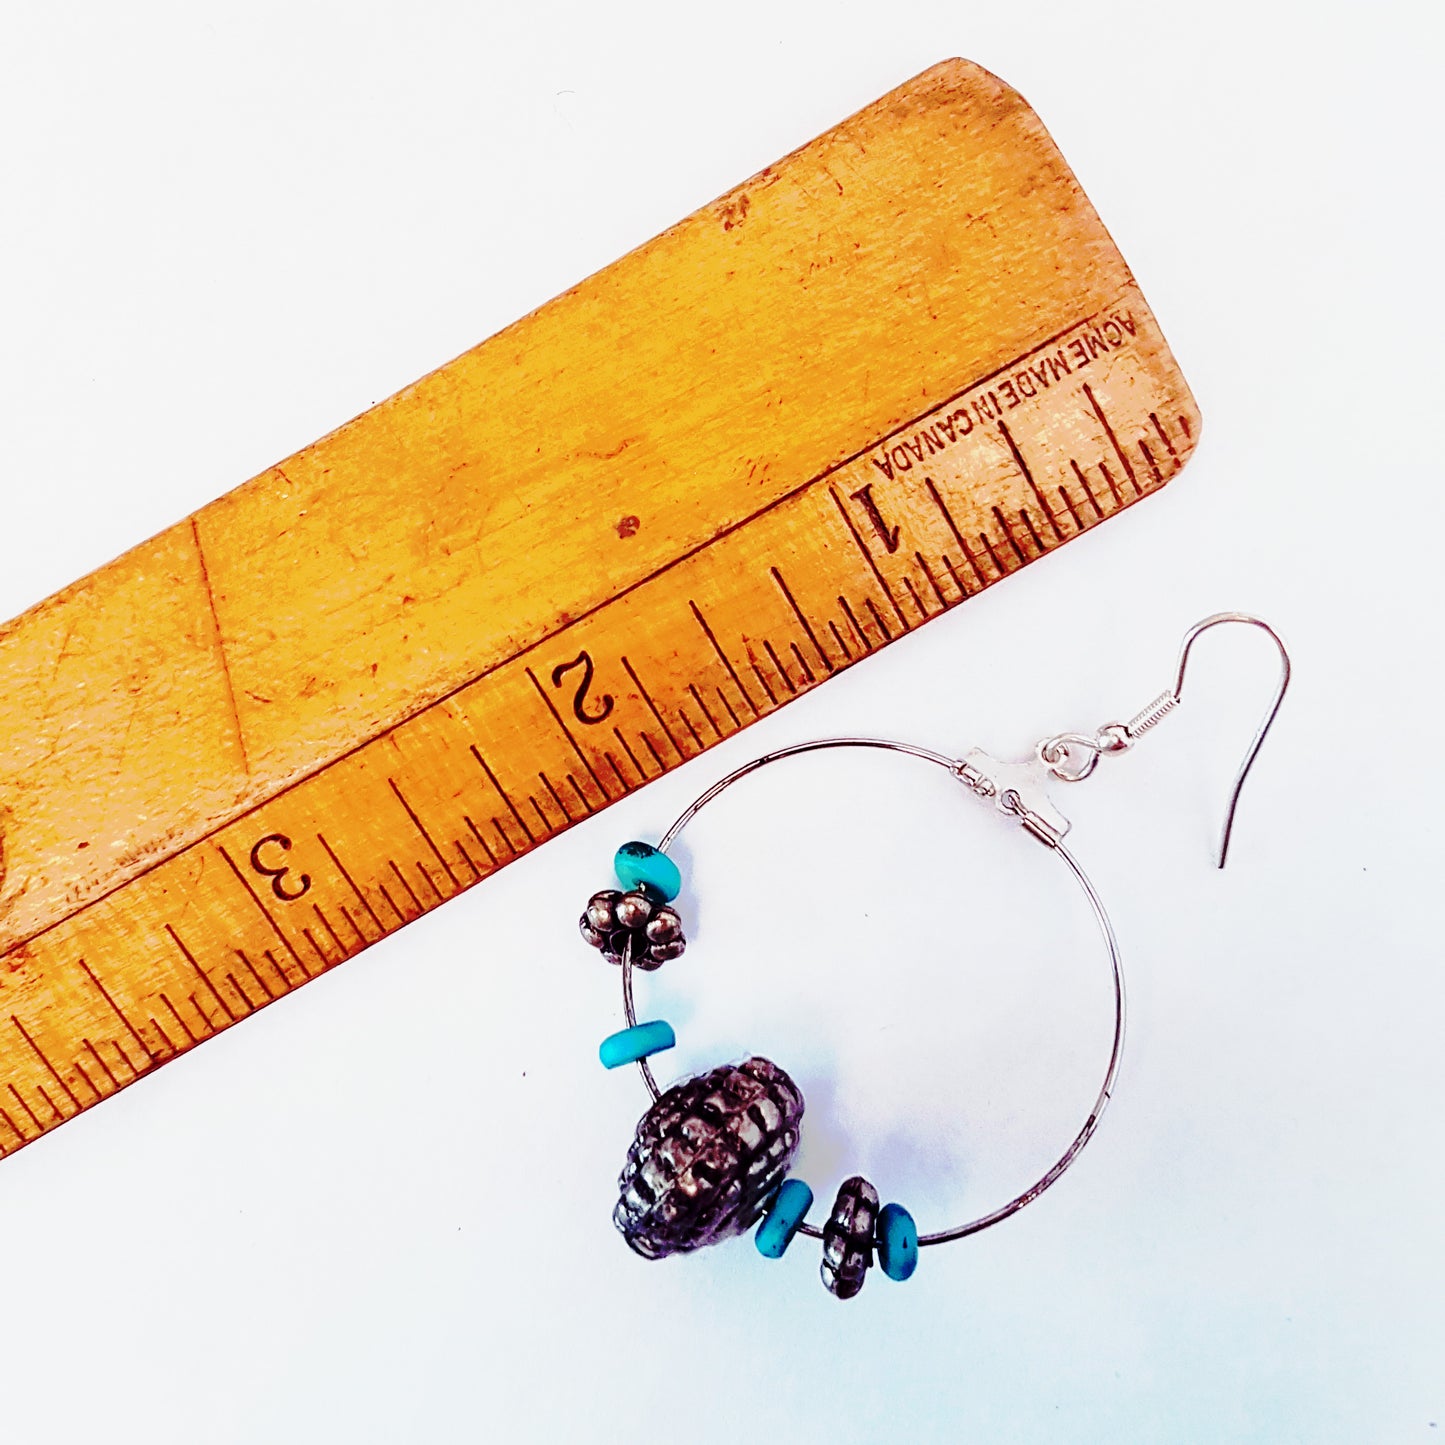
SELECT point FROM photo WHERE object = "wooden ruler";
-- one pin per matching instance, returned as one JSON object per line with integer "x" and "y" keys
{"x": 874, "y": 379}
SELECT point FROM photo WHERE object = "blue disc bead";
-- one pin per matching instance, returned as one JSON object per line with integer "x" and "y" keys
{"x": 640, "y": 865}
{"x": 896, "y": 1237}
{"x": 784, "y": 1218}
{"x": 638, "y": 1042}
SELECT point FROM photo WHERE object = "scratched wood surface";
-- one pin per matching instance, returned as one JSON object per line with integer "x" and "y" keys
{"x": 877, "y": 377}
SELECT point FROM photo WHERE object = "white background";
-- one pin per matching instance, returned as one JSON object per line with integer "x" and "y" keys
{"x": 228, "y": 228}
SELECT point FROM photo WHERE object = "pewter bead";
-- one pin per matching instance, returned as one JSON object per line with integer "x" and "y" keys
{"x": 633, "y": 910}
{"x": 594, "y": 935}
{"x": 664, "y": 926}
{"x": 661, "y": 952}
{"x": 848, "y": 1237}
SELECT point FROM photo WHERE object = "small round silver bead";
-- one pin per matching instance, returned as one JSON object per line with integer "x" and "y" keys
{"x": 633, "y": 910}
{"x": 602, "y": 910}
{"x": 664, "y": 926}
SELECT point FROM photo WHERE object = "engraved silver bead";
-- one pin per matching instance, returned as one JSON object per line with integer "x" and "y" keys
{"x": 707, "y": 1157}
{"x": 848, "y": 1237}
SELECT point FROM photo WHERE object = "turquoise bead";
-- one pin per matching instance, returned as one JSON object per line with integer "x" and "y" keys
{"x": 784, "y": 1218}
{"x": 635, "y": 1043}
{"x": 897, "y": 1240}
{"x": 640, "y": 865}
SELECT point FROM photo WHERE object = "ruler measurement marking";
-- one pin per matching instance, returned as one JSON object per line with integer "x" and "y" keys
{"x": 240, "y": 993}
{"x": 1113, "y": 486}
{"x": 1028, "y": 522}
{"x": 1113, "y": 440}
{"x": 1184, "y": 427}
{"x": 656, "y": 757}
{"x": 556, "y": 796}
{"x": 917, "y": 601}
{"x": 116, "y": 1009}
{"x": 502, "y": 793}
{"x": 477, "y": 876}
{"x": 723, "y": 698}
{"x": 687, "y": 723}
{"x": 205, "y": 978}
{"x": 1149, "y": 459}
{"x": 346, "y": 914}
{"x": 647, "y": 698}
{"x": 878, "y": 621}
{"x": 963, "y": 593}
{"x": 932, "y": 580}
{"x": 391, "y": 903}
{"x": 106, "y": 1068}
{"x": 867, "y": 555}
{"x": 325, "y": 922}
{"x": 780, "y": 669}
{"x": 20, "y": 1099}
{"x": 1023, "y": 466}
{"x": 863, "y": 639}
{"x": 1009, "y": 538}
{"x": 477, "y": 834}
{"x": 571, "y": 781}
{"x": 1073, "y": 510}
{"x": 762, "y": 681}
{"x": 256, "y": 899}
{"x": 411, "y": 892}
{"x": 89, "y": 1083}
{"x": 13, "y": 1127}
{"x": 320, "y": 953}
{"x": 945, "y": 513}
{"x": 992, "y": 555}
{"x": 1088, "y": 490}
{"x": 1163, "y": 435}
{"x": 361, "y": 897}
{"x": 421, "y": 828}
{"x": 567, "y": 733}
{"x": 543, "y": 820}
{"x": 617, "y": 772}
{"x": 803, "y": 665}
{"x": 724, "y": 658}
{"x": 185, "y": 1027}
{"x": 702, "y": 707}
{"x": 838, "y": 638}
{"x": 802, "y": 620}
{"x": 54, "y": 1072}
{"x": 632, "y": 757}
{"x": 260, "y": 982}
{"x": 172, "y": 1050}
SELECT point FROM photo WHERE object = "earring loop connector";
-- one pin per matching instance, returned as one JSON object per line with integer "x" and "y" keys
{"x": 1072, "y": 757}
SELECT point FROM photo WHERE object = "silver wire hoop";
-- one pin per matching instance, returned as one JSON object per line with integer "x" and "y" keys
{"x": 959, "y": 771}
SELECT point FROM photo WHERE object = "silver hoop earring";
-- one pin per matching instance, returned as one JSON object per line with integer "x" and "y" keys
{"x": 711, "y": 1155}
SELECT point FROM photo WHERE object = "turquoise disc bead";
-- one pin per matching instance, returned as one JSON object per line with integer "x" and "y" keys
{"x": 638, "y": 1042}
{"x": 784, "y": 1218}
{"x": 896, "y": 1236}
{"x": 640, "y": 865}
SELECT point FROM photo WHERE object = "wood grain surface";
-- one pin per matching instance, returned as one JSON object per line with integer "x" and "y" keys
{"x": 878, "y": 376}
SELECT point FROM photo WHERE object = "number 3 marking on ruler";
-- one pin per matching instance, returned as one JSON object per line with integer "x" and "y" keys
{"x": 278, "y": 873}
{"x": 579, "y": 698}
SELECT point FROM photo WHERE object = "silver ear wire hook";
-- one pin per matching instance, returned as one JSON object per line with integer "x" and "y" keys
{"x": 1072, "y": 757}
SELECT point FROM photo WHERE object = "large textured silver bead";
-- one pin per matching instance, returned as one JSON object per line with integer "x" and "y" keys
{"x": 848, "y": 1237}
{"x": 613, "y": 917}
{"x": 707, "y": 1157}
